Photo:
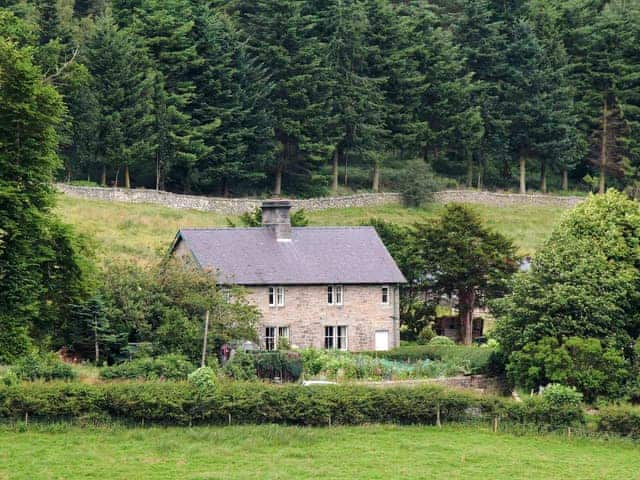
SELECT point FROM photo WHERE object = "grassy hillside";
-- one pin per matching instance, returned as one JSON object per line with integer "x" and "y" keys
{"x": 270, "y": 452}
{"x": 144, "y": 232}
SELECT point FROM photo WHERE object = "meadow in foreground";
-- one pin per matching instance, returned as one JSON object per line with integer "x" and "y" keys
{"x": 272, "y": 452}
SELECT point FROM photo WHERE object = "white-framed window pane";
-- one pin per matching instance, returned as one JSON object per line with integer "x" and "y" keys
{"x": 338, "y": 295}
{"x": 330, "y": 295}
{"x": 385, "y": 295}
{"x": 272, "y": 296}
{"x": 280, "y": 296}
{"x": 283, "y": 333}
{"x": 270, "y": 338}
{"x": 329, "y": 337}
{"x": 341, "y": 338}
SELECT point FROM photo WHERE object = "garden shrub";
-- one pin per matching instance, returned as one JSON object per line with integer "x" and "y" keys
{"x": 441, "y": 341}
{"x": 168, "y": 367}
{"x": 204, "y": 378}
{"x": 42, "y": 367}
{"x": 285, "y": 365}
{"x": 426, "y": 335}
{"x": 620, "y": 420}
{"x": 241, "y": 367}
{"x": 583, "y": 363}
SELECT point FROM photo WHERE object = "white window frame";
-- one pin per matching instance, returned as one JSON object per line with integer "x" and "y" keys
{"x": 272, "y": 336}
{"x": 336, "y": 337}
{"x": 276, "y": 296}
{"x": 385, "y": 291}
{"x": 335, "y": 294}
{"x": 270, "y": 341}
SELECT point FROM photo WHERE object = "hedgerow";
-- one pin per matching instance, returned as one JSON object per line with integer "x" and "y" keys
{"x": 180, "y": 403}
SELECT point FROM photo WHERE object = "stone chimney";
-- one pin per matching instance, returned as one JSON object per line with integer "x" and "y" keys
{"x": 275, "y": 215}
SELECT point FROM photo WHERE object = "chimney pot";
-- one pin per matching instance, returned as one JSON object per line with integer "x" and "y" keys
{"x": 275, "y": 216}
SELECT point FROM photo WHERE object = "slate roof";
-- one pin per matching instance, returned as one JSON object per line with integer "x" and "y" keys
{"x": 314, "y": 255}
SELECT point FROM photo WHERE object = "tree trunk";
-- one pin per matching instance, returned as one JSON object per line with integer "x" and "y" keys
{"x": 470, "y": 172}
{"x": 523, "y": 174}
{"x": 565, "y": 179}
{"x": 95, "y": 338}
{"x": 334, "y": 171}
{"x": 157, "y": 171}
{"x": 603, "y": 146}
{"x": 277, "y": 188}
{"x": 543, "y": 176}
{"x": 127, "y": 178}
{"x": 480, "y": 179}
{"x": 103, "y": 177}
{"x": 376, "y": 177}
{"x": 346, "y": 171}
{"x": 466, "y": 301}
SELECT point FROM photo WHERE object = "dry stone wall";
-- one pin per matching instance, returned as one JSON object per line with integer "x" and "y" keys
{"x": 505, "y": 199}
{"x": 224, "y": 206}
{"x": 237, "y": 206}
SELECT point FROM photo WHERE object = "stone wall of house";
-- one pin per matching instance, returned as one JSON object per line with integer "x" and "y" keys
{"x": 223, "y": 206}
{"x": 306, "y": 313}
{"x": 505, "y": 199}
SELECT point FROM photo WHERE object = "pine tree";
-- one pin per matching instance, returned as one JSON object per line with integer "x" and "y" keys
{"x": 278, "y": 35}
{"x": 356, "y": 102}
{"x": 122, "y": 82}
{"x": 230, "y": 110}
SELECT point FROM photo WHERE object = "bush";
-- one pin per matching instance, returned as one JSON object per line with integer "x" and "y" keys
{"x": 204, "y": 378}
{"x": 42, "y": 367}
{"x": 623, "y": 421}
{"x": 181, "y": 403}
{"x": 417, "y": 183}
{"x": 426, "y": 335}
{"x": 241, "y": 367}
{"x": 285, "y": 365}
{"x": 167, "y": 367}
{"x": 441, "y": 341}
{"x": 594, "y": 370}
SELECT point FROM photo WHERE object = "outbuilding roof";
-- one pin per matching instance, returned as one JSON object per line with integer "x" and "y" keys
{"x": 314, "y": 255}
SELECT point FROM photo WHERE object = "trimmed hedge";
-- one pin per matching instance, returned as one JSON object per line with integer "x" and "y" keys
{"x": 476, "y": 358}
{"x": 169, "y": 367}
{"x": 623, "y": 420}
{"x": 179, "y": 403}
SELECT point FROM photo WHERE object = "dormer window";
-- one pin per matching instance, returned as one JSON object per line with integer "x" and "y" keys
{"x": 276, "y": 296}
{"x": 334, "y": 294}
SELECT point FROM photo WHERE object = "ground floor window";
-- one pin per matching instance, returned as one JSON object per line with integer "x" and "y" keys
{"x": 275, "y": 336}
{"x": 335, "y": 337}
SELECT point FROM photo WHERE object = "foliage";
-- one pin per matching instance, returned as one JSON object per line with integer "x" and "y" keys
{"x": 287, "y": 366}
{"x": 173, "y": 403}
{"x": 165, "y": 304}
{"x": 254, "y": 219}
{"x": 426, "y": 335}
{"x": 204, "y": 378}
{"x": 583, "y": 282}
{"x": 418, "y": 183}
{"x": 458, "y": 255}
{"x": 169, "y": 367}
{"x": 41, "y": 263}
{"x": 620, "y": 420}
{"x": 45, "y": 367}
{"x": 441, "y": 341}
{"x": 585, "y": 364}
{"x": 241, "y": 367}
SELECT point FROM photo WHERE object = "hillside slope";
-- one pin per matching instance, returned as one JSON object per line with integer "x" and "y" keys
{"x": 144, "y": 232}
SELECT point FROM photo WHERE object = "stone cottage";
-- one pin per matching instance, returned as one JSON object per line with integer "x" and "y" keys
{"x": 322, "y": 287}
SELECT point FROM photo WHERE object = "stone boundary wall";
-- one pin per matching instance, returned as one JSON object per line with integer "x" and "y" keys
{"x": 505, "y": 199}
{"x": 237, "y": 206}
{"x": 223, "y": 206}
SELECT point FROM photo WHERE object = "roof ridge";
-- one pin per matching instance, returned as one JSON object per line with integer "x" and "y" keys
{"x": 313, "y": 227}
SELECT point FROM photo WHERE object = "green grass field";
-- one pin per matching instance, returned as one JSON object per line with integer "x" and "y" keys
{"x": 144, "y": 232}
{"x": 273, "y": 452}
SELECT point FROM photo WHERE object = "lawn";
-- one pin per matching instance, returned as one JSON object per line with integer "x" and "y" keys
{"x": 274, "y": 452}
{"x": 144, "y": 232}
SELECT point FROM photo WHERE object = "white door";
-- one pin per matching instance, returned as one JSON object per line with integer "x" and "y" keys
{"x": 382, "y": 340}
